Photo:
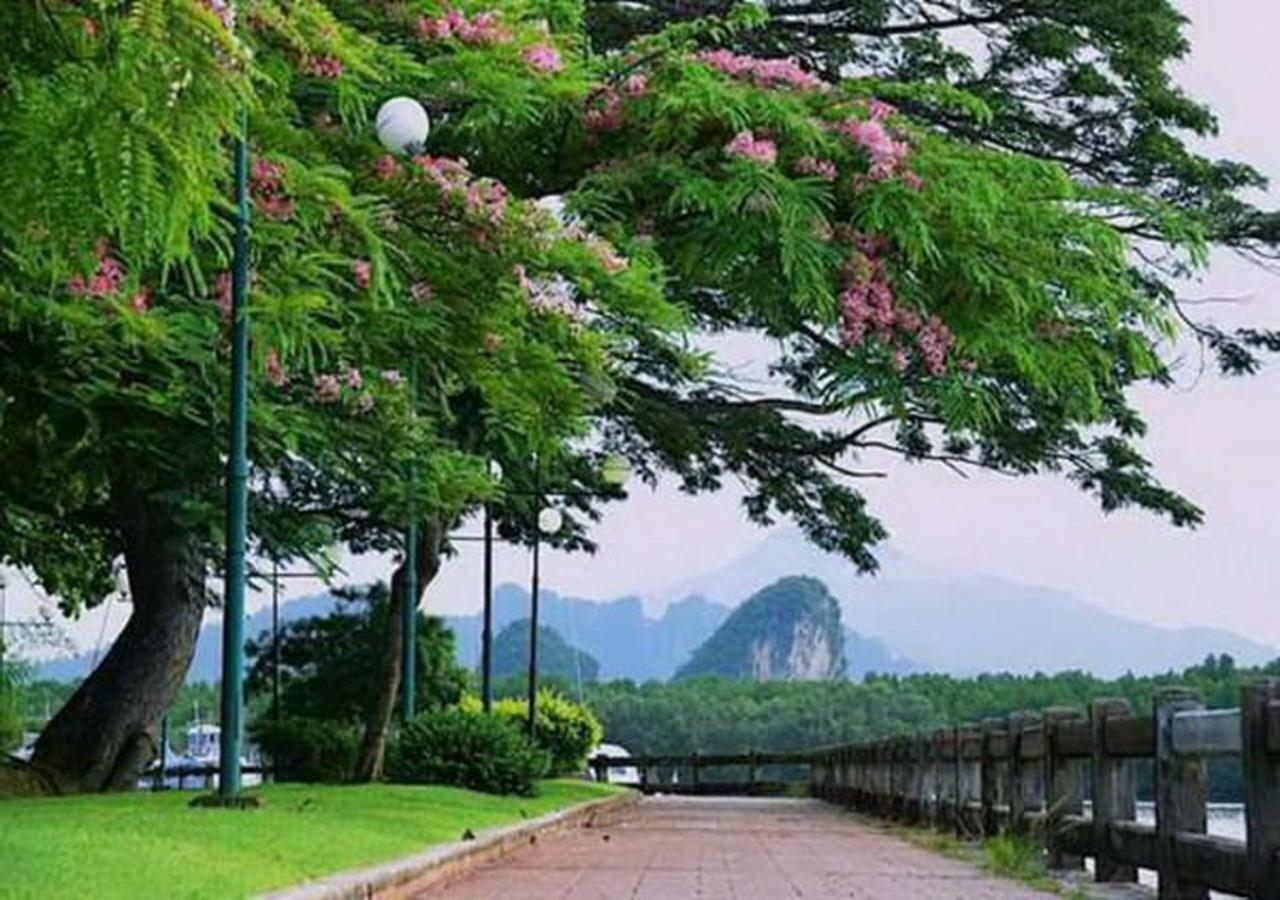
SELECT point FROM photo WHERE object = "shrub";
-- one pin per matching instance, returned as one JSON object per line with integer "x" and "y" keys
{"x": 467, "y": 749}
{"x": 317, "y": 750}
{"x": 568, "y": 731}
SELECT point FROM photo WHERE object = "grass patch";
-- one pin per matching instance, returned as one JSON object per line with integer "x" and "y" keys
{"x": 144, "y": 844}
{"x": 1007, "y": 856}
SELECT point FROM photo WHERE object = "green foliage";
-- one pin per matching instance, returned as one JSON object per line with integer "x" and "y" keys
{"x": 566, "y": 730}
{"x": 771, "y": 620}
{"x": 711, "y": 715}
{"x": 556, "y": 657}
{"x": 468, "y": 749}
{"x": 311, "y": 750}
{"x": 12, "y": 704}
{"x": 331, "y": 665}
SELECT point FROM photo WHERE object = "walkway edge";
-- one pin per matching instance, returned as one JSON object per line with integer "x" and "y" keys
{"x": 445, "y": 862}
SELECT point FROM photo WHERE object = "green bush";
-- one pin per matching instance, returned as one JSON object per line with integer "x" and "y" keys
{"x": 315, "y": 750}
{"x": 466, "y": 748}
{"x": 568, "y": 731}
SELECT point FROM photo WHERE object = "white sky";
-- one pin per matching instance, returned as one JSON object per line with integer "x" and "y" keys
{"x": 1218, "y": 441}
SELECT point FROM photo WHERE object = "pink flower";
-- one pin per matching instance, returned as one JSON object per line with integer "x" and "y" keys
{"x": 222, "y": 291}
{"x": 819, "y": 168}
{"x": 748, "y": 146}
{"x": 606, "y": 112}
{"x": 353, "y": 378}
{"x": 392, "y": 378}
{"x": 481, "y": 30}
{"x": 275, "y": 369}
{"x": 141, "y": 301}
{"x": 636, "y": 85}
{"x": 544, "y": 58}
{"x": 387, "y": 167}
{"x": 362, "y": 272}
{"x": 106, "y": 280}
{"x": 326, "y": 67}
{"x": 225, "y": 11}
{"x": 266, "y": 185}
{"x": 913, "y": 181}
{"x": 768, "y": 73}
{"x": 887, "y": 154}
{"x": 328, "y": 388}
{"x": 879, "y": 110}
{"x": 421, "y": 291}
{"x": 89, "y": 27}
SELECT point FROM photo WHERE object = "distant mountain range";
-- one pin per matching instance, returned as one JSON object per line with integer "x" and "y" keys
{"x": 965, "y": 623}
{"x": 909, "y": 618}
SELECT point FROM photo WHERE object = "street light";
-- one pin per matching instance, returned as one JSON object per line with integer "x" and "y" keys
{"x": 614, "y": 472}
{"x": 402, "y": 126}
{"x": 486, "y": 631}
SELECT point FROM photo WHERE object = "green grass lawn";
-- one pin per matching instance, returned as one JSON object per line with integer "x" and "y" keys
{"x": 154, "y": 845}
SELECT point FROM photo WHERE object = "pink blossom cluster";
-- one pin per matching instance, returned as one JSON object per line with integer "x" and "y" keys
{"x": 362, "y": 273}
{"x": 275, "y": 369}
{"x": 888, "y": 154}
{"x": 387, "y": 167}
{"x": 106, "y": 280}
{"x": 481, "y": 30}
{"x": 605, "y": 109}
{"x": 329, "y": 385}
{"x": 869, "y": 308}
{"x": 266, "y": 186}
{"x": 225, "y": 10}
{"x": 605, "y": 253}
{"x": 222, "y": 292}
{"x": 605, "y": 112}
{"x": 328, "y": 388}
{"x": 549, "y": 295}
{"x": 141, "y": 301}
{"x": 326, "y": 67}
{"x": 819, "y": 168}
{"x": 768, "y": 73}
{"x": 482, "y": 198}
{"x": 746, "y": 145}
{"x": 392, "y": 378}
{"x": 543, "y": 58}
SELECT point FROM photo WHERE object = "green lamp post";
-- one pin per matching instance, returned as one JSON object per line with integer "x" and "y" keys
{"x": 235, "y": 570}
{"x": 402, "y": 126}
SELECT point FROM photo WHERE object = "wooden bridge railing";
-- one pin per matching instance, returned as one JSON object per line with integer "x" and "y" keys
{"x": 1029, "y": 773}
{"x": 695, "y": 772}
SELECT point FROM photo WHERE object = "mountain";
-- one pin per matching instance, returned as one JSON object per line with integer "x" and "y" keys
{"x": 789, "y": 631}
{"x": 965, "y": 623}
{"x": 206, "y": 664}
{"x": 555, "y": 657}
{"x": 618, "y": 633}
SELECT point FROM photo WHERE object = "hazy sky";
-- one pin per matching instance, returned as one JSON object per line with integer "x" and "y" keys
{"x": 1216, "y": 440}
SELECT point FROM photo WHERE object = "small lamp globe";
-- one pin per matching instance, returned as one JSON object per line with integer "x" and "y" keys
{"x": 402, "y": 126}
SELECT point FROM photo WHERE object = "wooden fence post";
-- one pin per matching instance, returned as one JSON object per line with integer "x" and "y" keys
{"x": 751, "y": 773}
{"x": 1064, "y": 787}
{"x": 990, "y": 787}
{"x": 693, "y": 774}
{"x": 1260, "y": 731}
{"x": 1017, "y": 775}
{"x": 1114, "y": 794}
{"x": 968, "y": 780}
{"x": 644, "y": 774}
{"x": 1181, "y": 794}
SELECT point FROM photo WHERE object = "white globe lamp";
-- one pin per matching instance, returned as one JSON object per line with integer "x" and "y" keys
{"x": 550, "y": 520}
{"x": 403, "y": 125}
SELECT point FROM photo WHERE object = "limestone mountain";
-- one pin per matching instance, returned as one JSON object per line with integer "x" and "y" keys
{"x": 556, "y": 656}
{"x": 789, "y": 631}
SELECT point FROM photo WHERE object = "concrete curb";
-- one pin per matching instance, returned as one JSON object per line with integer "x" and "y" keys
{"x": 403, "y": 877}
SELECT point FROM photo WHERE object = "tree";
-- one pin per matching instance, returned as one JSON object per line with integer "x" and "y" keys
{"x": 1085, "y": 85}
{"x": 929, "y": 296}
{"x": 114, "y": 379}
{"x": 330, "y": 664}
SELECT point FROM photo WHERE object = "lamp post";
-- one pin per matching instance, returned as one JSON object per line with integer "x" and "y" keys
{"x": 486, "y": 630}
{"x": 402, "y": 126}
{"x": 614, "y": 472}
{"x": 234, "y": 572}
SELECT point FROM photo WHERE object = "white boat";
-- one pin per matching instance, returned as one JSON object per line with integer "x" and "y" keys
{"x": 618, "y": 774}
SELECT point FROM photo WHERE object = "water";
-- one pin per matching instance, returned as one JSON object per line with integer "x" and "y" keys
{"x": 1225, "y": 820}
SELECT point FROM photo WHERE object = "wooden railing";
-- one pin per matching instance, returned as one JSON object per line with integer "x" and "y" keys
{"x": 688, "y": 774}
{"x": 1030, "y": 773}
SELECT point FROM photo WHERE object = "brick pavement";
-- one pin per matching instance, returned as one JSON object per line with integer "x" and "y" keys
{"x": 670, "y": 848}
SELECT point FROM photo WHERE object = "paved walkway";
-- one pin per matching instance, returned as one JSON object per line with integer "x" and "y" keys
{"x": 670, "y": 848}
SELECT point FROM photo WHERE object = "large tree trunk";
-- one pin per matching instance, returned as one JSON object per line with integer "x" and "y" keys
{"x": 377, "y": 726}
{"x": 106, "y": 734}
